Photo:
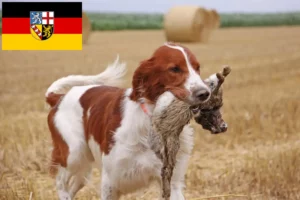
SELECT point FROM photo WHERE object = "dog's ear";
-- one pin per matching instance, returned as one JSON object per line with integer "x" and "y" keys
{"x": 145, "y": 84}
{"x": 139, "y": 78}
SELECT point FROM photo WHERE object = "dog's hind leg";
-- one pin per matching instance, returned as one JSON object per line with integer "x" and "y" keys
{"x": 70, "y": 179}
{"x": 62, "y": 178}
{"x": 79, "y": 180}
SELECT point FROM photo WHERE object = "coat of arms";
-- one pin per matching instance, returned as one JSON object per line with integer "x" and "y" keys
{"x": 42, "y": 24}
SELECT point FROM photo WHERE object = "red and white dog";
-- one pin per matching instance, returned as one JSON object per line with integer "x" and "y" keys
{"x": 97, "y": 123}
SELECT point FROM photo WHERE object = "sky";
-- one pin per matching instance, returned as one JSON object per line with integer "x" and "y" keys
{"x": 162, "y": 6}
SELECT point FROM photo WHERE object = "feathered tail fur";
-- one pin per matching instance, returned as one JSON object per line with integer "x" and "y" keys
{"x": 111, "y": 76}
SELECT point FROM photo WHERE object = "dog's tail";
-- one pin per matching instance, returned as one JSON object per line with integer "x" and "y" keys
{"x": 112, "y": 76}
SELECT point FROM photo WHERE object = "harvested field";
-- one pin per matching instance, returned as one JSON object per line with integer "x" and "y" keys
{"x": 258, "y": 158}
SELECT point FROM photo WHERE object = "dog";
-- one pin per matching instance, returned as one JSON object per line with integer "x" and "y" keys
{"x": 98, "y": 123}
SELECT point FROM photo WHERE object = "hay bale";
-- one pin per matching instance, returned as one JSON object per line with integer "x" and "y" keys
{"x": 212, "y": 19}
{"x": 208, "y": 24}
{"x": 213, "y": 22}
{"x": 186, "y": 24}
{"x": 86, "y": 28}
{"x": 216, "y": 18}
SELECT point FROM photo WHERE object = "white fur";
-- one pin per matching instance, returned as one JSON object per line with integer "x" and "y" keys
{"x": 111, "y": 76}
{"x": 95, "y": 150}
{"x": 212, "y": 81}
{"x": 164, "y": 101}
{"x": 88, "y": 113}
{"x": 193, "y": 83}
{"x": 136, "y": 162}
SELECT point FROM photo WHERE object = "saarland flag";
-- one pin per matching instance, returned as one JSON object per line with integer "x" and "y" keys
{"x": 41, "y": 26}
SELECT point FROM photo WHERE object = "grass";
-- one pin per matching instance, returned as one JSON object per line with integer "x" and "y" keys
{"x": 155, "y": 21}
{"x": 246, "y": 20}
{"x": 115, "y": 21}
{"x": 258, "y": 157}
{"x": 109, "y": 21}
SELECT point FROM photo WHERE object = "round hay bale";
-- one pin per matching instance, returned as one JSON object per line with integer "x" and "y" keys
{"x": 185, "y": 24}
{"x": 208, "y": 24}
{"x": 216, "y": 17}
{"x": 205, "y": 17}
{"x": 86, "y": 28}
{"x": 212, "y": 19}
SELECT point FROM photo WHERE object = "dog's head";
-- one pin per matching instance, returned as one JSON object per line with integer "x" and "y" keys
{"x": 208, "y": 114}
{"x": 171, "y": 68}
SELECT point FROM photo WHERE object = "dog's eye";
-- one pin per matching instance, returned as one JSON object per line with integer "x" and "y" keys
{"x": 175, "y": 69}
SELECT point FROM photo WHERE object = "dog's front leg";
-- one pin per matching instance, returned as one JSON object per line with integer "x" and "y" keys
{"x": 182, "y": 158}
{"x": 108, "y": 191}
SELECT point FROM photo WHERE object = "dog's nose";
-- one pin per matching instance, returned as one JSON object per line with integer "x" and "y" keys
{"x": 223, "y": 127}
{"x": 202, "y": 95}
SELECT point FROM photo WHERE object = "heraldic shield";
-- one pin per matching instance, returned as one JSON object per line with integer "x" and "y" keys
{"x": 42, "y": 24}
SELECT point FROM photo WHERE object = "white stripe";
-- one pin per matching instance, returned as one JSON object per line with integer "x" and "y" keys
{"x": 190, "y": 68}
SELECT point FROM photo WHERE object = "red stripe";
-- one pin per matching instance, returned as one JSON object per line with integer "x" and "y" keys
{"x": 67, "y": 25}
{"x": 22, "y": 25}
{"x": 15, "y": 25}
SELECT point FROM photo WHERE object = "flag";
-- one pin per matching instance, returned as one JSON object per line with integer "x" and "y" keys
{"x": 41, "y": 26}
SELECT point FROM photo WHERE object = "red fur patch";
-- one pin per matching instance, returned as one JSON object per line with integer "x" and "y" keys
{"x": 102, "y": 114}
{"x": 60, "y": 150}
{"x": 52, "y": 99}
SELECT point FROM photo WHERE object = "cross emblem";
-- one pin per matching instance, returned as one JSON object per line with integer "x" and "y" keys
{"x": 48, "y": 18}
